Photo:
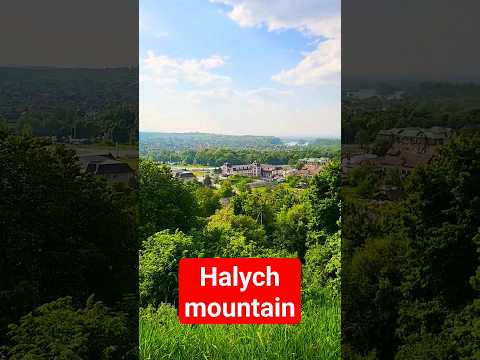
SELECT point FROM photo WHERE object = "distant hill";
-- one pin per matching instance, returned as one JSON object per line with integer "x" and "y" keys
{"x": 182, "y": 141}
{"x": 195, "y": 141}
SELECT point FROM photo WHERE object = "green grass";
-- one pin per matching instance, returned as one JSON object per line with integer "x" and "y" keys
{"x": 317, "y": 337}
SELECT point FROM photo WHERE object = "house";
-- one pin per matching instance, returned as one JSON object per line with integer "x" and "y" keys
{"x": 407, "y": 148}
{"x": 254, "y": 170}
{"x": 106, "y": 166}
{"x": 185, "y": 175}
{"x": 314, "y": 161}
{"x": 418, "y": 138}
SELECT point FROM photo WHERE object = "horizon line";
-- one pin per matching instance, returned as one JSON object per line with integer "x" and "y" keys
{"x": 331, "y": 137}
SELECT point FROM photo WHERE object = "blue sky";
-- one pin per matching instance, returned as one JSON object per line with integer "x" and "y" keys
{"x": 240, "y": 67}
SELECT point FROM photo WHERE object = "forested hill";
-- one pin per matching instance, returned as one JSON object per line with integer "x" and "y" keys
{"x": 197, "y": 140}
{"x": 183, "y": 141}
{"x": 214, "y": 150}
{"x": 43, "y": 89}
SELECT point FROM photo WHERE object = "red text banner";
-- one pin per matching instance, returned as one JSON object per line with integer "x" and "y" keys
{"x": 240, "y": 291}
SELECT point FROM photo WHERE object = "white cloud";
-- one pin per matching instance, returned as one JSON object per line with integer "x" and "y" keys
{"x": 319, "y": 67}
{"x": 315, "y": 18}
{"x": 168, "y": 71}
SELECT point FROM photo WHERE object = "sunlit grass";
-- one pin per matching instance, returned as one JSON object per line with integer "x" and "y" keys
{"x": 317, "y": 337}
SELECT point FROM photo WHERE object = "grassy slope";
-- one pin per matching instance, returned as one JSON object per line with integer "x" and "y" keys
{"x": 317, "y": 337}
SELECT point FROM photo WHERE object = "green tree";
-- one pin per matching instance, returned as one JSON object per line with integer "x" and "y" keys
{"x": 164, "y": 202}
{"x": 226, "y": 189}
{"x": 322, "y": 268}
{"x": 225, "y": 230}
{"x": 63, "y": 231}
{"x": 291, "y": 226}
{"x": 208, "y": 201}
{"x": 207, "y": 181}
{"x": 59, "y": 330}
{"x": 323, "y": 197}
{"x": 158, "y": 270}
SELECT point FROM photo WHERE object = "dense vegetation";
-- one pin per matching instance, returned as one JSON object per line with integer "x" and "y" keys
{"x": 219, "y": 156}
{"x": 422, "y": 105}
{"x": 410, "y": 284}
{"x": 316, "y": 338}
{"x": 82, "y": 103}
{"x": 215, "y": 150}
{"x": 42, "y": 89}
{"x": 182, "y": 141}
{"x": 283, "y": 221}
{"x": 65, "y": 236}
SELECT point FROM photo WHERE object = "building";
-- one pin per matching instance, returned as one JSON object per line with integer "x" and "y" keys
{"x": 407, "y": 148}
{"x": 254, "y": 170}
{"x": 108, "y": 167}
{"x": 185, "y": 175}
{"x": 314, "y": 161}
{"x": 418, "y": 138}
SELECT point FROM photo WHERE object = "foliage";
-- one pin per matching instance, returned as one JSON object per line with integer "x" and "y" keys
{"x": 58, "y": 330}
{"x": 63, "y": 231}
{"x": 279, "y": 221}
{"x": 410, "y": 267}
{"x": 317, "y": 337}
{"x": 323, "y": 196}
{"x": 322, "y": 268}
{"x": 291, "y": 226}
{"x": 159, "y": 259}
{"x": 215, "y": 150}
{"x": 226, "y": 189}
{"x": 208, "y": 200}
{"x": 164, "y": 202}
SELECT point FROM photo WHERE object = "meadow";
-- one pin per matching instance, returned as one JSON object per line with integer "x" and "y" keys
{"x": 316, "y": 337}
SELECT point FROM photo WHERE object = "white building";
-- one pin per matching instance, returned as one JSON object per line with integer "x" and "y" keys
{"x": 254, "y": 170}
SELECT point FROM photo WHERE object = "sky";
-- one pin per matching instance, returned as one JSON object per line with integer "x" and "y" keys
{"x": 257, "y": 67}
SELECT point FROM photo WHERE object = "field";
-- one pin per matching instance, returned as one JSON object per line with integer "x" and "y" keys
{"x": 317, "y": 337}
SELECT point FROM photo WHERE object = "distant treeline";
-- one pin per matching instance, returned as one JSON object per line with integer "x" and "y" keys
{"x": 219, "y": 156}
{"x": 195, "y": 141}
{"x": 82, "y": 103}
{"x": 183, "y": 141}
{"x": 43, "y": 89}
{"x": 116, "y": 124}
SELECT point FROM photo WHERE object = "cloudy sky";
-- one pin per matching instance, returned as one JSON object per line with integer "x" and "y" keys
{"x": 256, "y": 67}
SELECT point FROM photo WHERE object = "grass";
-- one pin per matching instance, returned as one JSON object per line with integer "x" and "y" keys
{"x": 317, "y": 337}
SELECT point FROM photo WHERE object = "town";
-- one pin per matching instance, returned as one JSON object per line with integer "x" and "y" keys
{"x": 260, "y": 173}
{"x": 399, "y": 149}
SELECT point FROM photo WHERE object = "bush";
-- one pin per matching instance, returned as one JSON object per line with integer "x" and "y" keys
{"x": 159, "y": 266}
{"x": 322, "y": 268}
{"x": 57, "y": 330}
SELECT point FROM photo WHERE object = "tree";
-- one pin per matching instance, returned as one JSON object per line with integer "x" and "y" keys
{"x": 159, "y": 259}
{"x": 226, "y": 189}
{"x": 58, "y": 330}
{"x": 225, "y": 230}
{"x": 63, "y": 231}
{"x": 323, "y": 198}
{"x": 322, "y": 268}
{"x": 207, "y": 181}
{"x": 207, "y": 199}
{"x": 291, "y": 226}
{"x": 164, "y": 202}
